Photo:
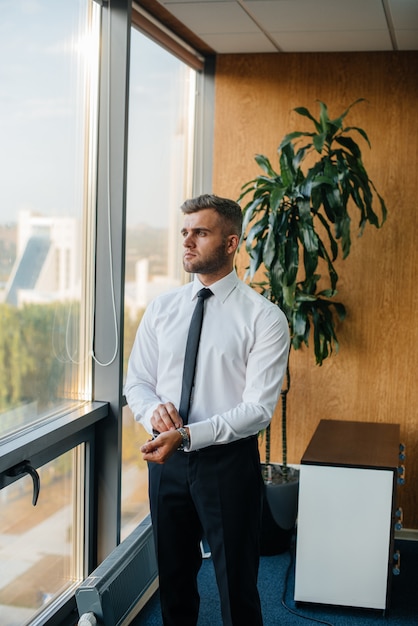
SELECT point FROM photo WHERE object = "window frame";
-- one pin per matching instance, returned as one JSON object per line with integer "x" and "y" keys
{"x": 48, "y": 440}
{"x": 98, "y": 423}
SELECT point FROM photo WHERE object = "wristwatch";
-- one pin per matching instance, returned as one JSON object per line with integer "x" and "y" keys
{"x": 185, "y": 439}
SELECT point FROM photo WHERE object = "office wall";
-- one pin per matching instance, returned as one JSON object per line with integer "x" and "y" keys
{"x": 374, "y": 376}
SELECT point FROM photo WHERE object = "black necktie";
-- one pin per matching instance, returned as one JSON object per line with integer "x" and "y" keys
{"x": 192, "y": 347}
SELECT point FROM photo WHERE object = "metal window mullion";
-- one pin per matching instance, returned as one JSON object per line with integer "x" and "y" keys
{"x": 204, "y": 128}
{"x": 110, "y": 259}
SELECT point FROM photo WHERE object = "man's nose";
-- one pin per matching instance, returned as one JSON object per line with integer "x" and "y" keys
{"x": 188, "y": 241}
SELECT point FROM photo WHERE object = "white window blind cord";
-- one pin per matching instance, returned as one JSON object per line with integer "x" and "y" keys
{"x": 110, "y": 248}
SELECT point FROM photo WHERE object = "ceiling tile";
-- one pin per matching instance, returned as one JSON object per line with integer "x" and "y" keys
{"x": 167, "y": 2}
{"x": 213, "y": 17}
{"x": 404, "y": 14}
{"x": 407, "y": 39}
{"x": 234, "y": 43}
{"x": 332, "y": 41}
{"x": 318, "y": 15}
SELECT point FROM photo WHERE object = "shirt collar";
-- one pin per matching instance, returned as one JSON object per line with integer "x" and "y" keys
{"x": 221, "y": 289}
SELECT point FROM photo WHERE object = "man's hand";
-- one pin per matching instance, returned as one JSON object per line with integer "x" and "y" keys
{"x": 160, "y": 449}
{"x": 166, "y": 417}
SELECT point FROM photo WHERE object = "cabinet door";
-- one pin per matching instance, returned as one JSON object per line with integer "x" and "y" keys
{"x": 343, "y": 536}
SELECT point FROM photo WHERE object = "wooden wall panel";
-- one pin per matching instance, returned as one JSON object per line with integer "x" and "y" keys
{"x": 374, "y": 376}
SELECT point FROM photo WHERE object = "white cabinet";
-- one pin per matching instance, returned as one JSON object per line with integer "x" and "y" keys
{"x": 347, "y": 491}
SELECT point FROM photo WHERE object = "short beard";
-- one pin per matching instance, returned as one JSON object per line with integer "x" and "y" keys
{"x": 217, "y": 260}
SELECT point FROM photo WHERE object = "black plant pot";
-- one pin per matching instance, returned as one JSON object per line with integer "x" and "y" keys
{"x": 279, "y": 515}
{"x": 273, "y": 540}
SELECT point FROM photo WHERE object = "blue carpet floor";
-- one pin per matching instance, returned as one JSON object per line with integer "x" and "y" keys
{"x": 276, "y": 583}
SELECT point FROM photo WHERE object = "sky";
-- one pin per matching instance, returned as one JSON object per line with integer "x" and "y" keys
{"x": 40, "y": 138}
{"x": 37, "y": 125}
{"x": 152, "y": 121}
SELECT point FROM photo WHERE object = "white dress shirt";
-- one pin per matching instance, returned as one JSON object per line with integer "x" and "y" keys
{"x": 240, "y": 366}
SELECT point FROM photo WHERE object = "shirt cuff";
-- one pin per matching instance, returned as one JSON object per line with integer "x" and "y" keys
{"x": 201, "y": 435}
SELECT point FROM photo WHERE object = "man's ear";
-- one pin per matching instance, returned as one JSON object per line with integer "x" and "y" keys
{"x": 232, "y": 243}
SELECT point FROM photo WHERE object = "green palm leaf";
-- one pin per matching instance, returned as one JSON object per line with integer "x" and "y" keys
{"x": 288, "y": 212}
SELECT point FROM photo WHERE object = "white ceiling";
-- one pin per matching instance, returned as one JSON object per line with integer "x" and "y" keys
{"x": 239, "y": 26}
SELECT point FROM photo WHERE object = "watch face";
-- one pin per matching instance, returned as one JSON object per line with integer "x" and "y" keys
{"x": 184, "y": 438}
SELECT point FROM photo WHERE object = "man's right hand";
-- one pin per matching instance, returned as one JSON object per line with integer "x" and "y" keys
{"x": 160, "y": 449}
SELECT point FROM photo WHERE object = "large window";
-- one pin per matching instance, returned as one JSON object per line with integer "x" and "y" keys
{"x": 47, "y": 129}
{"x": 161, "y": 122}
{"x": 62, "y": 202}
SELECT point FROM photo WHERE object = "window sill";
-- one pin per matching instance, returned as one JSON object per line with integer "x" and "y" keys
{"x": 54, "y": 433}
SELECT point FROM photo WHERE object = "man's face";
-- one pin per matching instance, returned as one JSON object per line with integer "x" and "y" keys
{"x": 208, "y": 250}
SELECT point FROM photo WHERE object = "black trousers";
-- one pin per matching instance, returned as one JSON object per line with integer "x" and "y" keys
{"x": 214, "y": 493}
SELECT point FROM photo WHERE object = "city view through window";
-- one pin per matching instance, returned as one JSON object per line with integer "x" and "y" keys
{"x": 47, "y": 109}
{"x": 48, "y": 115}
{"x": 49, "y": 82}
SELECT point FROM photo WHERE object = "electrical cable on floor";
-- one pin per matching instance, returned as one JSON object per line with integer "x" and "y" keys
{"x": 292, "y": 611}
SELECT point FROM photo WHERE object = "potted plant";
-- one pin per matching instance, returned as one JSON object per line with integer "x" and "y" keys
{"x": 296, "y": 220}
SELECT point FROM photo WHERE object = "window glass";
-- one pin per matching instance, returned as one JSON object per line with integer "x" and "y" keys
{"x": 161, "y": 122}
{"x": 47, "y": 120}
{"x": 38, "y": 549}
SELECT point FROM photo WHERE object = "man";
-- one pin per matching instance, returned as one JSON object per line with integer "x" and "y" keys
{"x": 205, "y": 478}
